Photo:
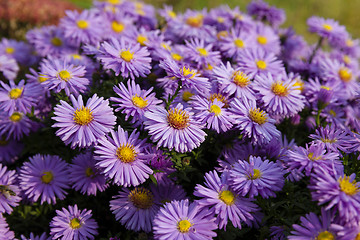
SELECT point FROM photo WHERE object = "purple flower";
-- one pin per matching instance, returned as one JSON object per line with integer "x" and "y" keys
{"x": 223, "y": 201}
{"x": 125, "y": 57}
{"x": 201, "y": 53}
{"x": 166, "y": 191}
{"x": 257, "y": 177}
{"x": 267, "y": 39}
{"x": 174, "y": 128}
{"x": 5, "y": 232}
{"x": 73, "y": 223}
{"x": 9, "y": 192}
{"x": 182, "y": 220}
{"x": 14, "y": 126}
{"x": 8, "y": 67}
{"x": 9, "y": 150}
{"x": 262, "y": 11}
{"x": 84, "y": 176}
{"x": 18, "y": 50}
{"x": 326, "y": 28}
{"x": 135, "y": 209}
{"x": 43, "y": 236}
{"x": 83, "y": 125}
{"x": 232, "y": 44}
{"x": 122, "y": 158}
{"x": 44, "y": 177}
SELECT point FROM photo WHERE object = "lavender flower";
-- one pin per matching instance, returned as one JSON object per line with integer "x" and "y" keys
{"x": 9, "y": 191}
{"x": 14, "y": 126}
{"x": 9, "y": 67}
{"x": 5, "y": 232}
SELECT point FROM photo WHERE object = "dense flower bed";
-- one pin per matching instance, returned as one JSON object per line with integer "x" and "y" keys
{"x": 206, "y": 124}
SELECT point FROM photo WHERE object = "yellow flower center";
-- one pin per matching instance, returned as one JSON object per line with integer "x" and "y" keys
{"x": 176, "y": 57}
{"x": 76, "y": 56}
{"x": 239, "y": 43}
{"x": 326, "y": 88}
{"x": 326, "y": 140}
{"x": 126, "y": 153}
{"x": 240, "y": 79}
{"x": 9, "y": 50}
{"x": 141, "y": 39}
{"x": 178, "y": 118}
{"x": 89, "y": 172}
{"x": 208, "y": 67}
{"x": 220, "y": 98}
{"x": 127, "y": 55}
{"x": 262, "y": 40}
{"x": 139, "y": 9}
{"x": 261, "y": 64}
{"x": 42, "y": 78}
{"x": 255, "y": 175}
{"x": 184, "y": 226}
{"x": 196, "y": 21}
{"x": 348, "y": 187}
{"x": 114, "y": 2}
{"x": 165, "y": 46}
{"x": 325, "y": 236}
{"x": 327, "y": 27}
{"x": 16, "y": 117}
{"x": 141, "y": 198}
{"x": 357, "y": 237}
{"x": 220, "y": 19}
{"x": 299, "y": 85}
{"x": 202, "y": 52}
{"x": 312, "y": 157}
{"x": 139, "y": 101}
{"x": 47, "y": 177}
{"x": 346, "y": 59}
{"x": 56, "y": 42}
{"x": 187, "y": 71}
{"x": 64, "y": 75}
{"x": 187, "y": 95}
{"x": 258, "y": 116}
{"x": 215, "y": 109}
{"x": 117, "y": 27}
{"x": 279, "y": 89}
{"x": 83, "y": 116}
{"x": 349, "y": 43}
{"x": 75, "y": 223}
{"x": 15, "y": 93}
{"x": 345, "y": 74}
{"x": 82, "y": 24}
{"x": 222, "y": 34}
{"x": 227, "y": 197}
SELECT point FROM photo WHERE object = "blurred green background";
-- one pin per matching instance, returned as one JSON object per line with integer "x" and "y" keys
{"x": 297, "y": 11}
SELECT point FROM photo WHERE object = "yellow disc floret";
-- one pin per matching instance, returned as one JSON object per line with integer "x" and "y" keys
{"x": 279, "y": 89}
{"x": 215, "y": 109}
{"x": 89, "y": 172}
{"x": 345, "y": 74}
{"x": 57, "y": 42}
{"x": 220, "y": 98}
{"x": 15, "y": 93}
{"x": 258, "y": 116}
{"x": 260, "y": 64}
{"x": 16, "y": 117}
{"x": 64, "y": 75}
{"x": 47, "y": 177}
{"x": 126, "y": 153}
{"x": 184, "y": 226}
{"x": 350, "y": 188}
{"x": 9, "y": 50}
{"x": 227, "y": 197}
{"x": 177, "y": 118}
{"x": 127, "y": 55}
{"x": 261, "y": 40}
{"x": 187, "y": 95}
{"x": 117, "y": 27}
{"x": 187, "y": 71}
{"x": 141, "y": 39}
{"x": 327, "y": 27}
{"x": 75, "y": 223}
{"x": 239, "y": 43}
{"x": 196, "y": 21}
{"x": 255, "y": 175}
{"x": 139, "y": 101}
{"x": 240, "y": 79}
{"x": 82, "y": 24}
{"x": 141, "y": 198}
{"x": 202, "y": 52}
{"x": 325, "y": 235}
{"x": 83, "y": 116}
{"x": 176, "y": 57}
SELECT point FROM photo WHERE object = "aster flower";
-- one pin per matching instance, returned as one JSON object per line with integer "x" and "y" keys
{"x": 280, "y": 96}
{"x": 8, "y": 67}
{"x": 266, "y": 38}
{"x": 9, "y": 150}
{"x": 174, "y": 129}
{"x": 233, "y": 43}
{"x": 201, "y": 53}
{"x": 32, "y": 236}
{"x": 83, "y": 125}
{"x": 5, "y": 233}
{"x": 223, "y": 201}
{"x": 73, "y": 223}
{"x": 84, "y": 176}
{"x": 314, "y": 227}
{"x": 9, "y": 191}
{"x": 44, "y": 177}
{"x": 122, "y": 158}
{"x": 326, "y": 28}
{"x": 125, "y": 57}
{"x": 18, "y": 50}
{"x": 62, "y": 75}
{"x": 257, "y": 177}
{"x": 133, "y": 101}
{"x": 262, "y": 11}
{"x": 14, "y": 126}
{"x": 254, "y": 122}
{"x": 347, "y": 231}
{"x": 337, "y": 191}
{"x": 184, "y": 220}
{"x": 135, "y": 209}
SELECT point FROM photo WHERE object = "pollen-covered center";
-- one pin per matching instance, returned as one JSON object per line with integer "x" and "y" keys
{"x": 171, "y": 14}
{"x": 75, "y": 223}
{"x": 139, "y": 101}
{"x": 255, "y": 175}
{"x": 83, "y": 116}
{"x": 9, "y": 50}
{"x": 239, "y": 43}
{"x": 82, "y": 24}
{"x": 196, "y": 21}
{"x": 327, "y": 27}
{"x": 42, "y": 78}
{"x": 357, "y": 237}
{"x": 258, "y": 116}
{"x": 64, "y": 75}
{"x": 240, "y": 79}
{"x": 177, "y": 118}
{"x": 202, "y": 52}
{"x": 260, "y": 64}
{"x": 117, "y": 27}
{"x": 127, "y": 55}
{"x": 348, "y": 187}
{"x": 187, "y": 71}
{"x": 47, "y": 177}
{"x": 184, "y": 226}
{"x": 215, "y": 109}
{"x": 89, "y": 172}
{"x": 227, "y": 197}
{"x": 141, "y": 39}
{"x": 16, "y": 117}
{"x": 141, "y": 198}
{"x": 345, "y": 74}
{"x": 187, "y": 95}
{"x": 220, "y": 98}
{"x": 126, "y": 153}
{"x": 312, "y": 157}
{"x": 176, "y": 57}
{"x": 15, "y": 93}
{"x": 325, "y": 235}
{"x": 279, "y": 89}
{"x": 261, "y": 40}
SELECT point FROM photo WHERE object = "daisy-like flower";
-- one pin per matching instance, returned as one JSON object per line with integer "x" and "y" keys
{"x": 254, "y": 122}
{"x": 9, "y": 192}
{"x": 19, "y": 97}
{"x": 234, "y": 43}
{"x": 280, "y": 97}
{"x": 135, "y": 209}
{"x": 133, "y": 101}
{"x": 212, "y": 114}
{"x": 62, "y": 75}
{"x": 5, "y": 232}
{"x": 184, "y": 220}
{"x": 9, "y": 150}
{"x": 347, "y": 231}
{"x": 233, "y": 81}
{"x": 313, "y": 227}
{"x": 73, "y": 223}
{"x": 44, "y": 177}
{"x": 8, "y": 67}
{"x": 266, "y": 38}
{"x": 126, "y": 58}
{"x": 84, "y": 27}
{"x": 122, "y": 158}
{"x": 201, "y": 53}
{"x": 174, "y": 129}
{"x": 83, "y": 125}
{"x": 14, "y": 126}
{"x": 223, "y": 201}
{"x": 256, "y": 177}
{"x": 19, "y": 50}
{"x": 338, "y": 191}
{"x": 84, "y": 176}
{"x": 326, "y": 28}
{"x": 262, "y": 11}
{"x": 32, "y": 236}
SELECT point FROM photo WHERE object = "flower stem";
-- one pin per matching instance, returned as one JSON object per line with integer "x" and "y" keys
{"x": 171, "y": 99}
{"x": 318, "y": 45}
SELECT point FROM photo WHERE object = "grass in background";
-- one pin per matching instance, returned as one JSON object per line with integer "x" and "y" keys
{"x": 297, "y": 11}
